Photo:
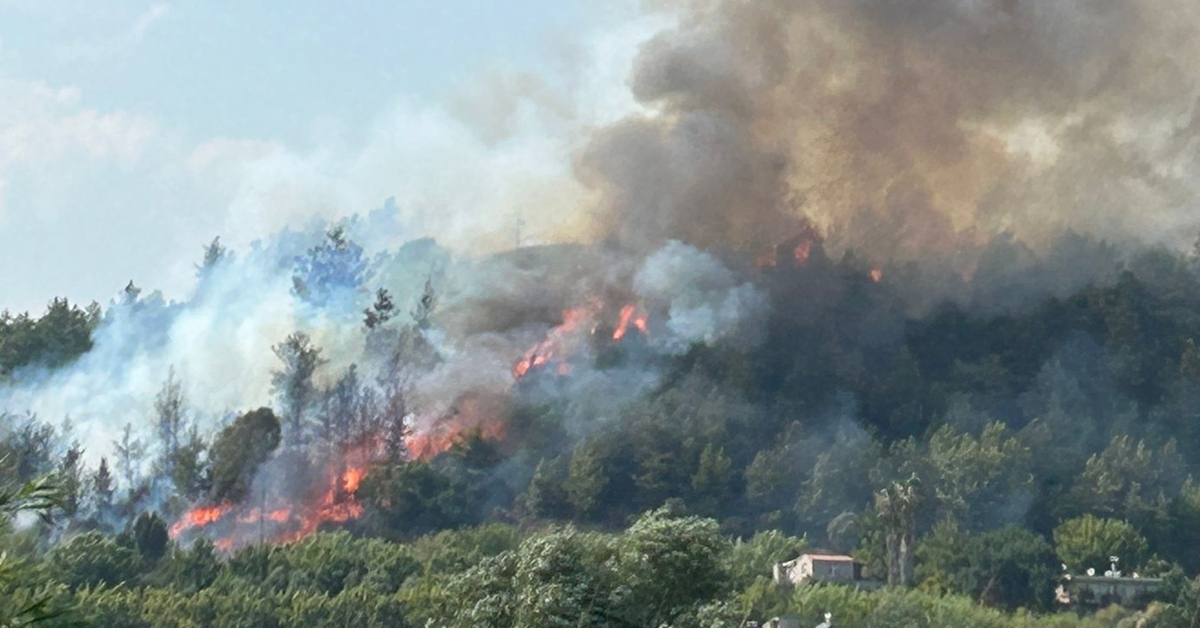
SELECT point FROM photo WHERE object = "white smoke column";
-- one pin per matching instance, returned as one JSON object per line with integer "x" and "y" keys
{"x": 705, "y": 301}
{"x": 219, "y": 343}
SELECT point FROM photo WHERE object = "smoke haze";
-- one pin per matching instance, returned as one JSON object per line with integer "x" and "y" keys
{"x": 987, "y": 153}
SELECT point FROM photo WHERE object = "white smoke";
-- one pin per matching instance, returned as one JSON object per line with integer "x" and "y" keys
{"x": 704, "y": 300}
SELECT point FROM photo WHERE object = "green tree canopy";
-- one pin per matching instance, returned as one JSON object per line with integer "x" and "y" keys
{"x": 1087, "y": 542}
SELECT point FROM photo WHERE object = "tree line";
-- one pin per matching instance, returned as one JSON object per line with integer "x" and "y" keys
{"x": 996, "y": 444}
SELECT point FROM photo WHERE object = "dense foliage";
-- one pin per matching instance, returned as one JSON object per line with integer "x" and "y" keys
{"x": 664, "y": 570}
{"x": 1054, "y": 430}
{"x": 62, "y": 334}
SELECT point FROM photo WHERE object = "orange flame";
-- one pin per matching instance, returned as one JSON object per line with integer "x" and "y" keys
{"x": 336, "y": 503}
{"x": 552, "y": 347}
{"x": 199, "y": 517}
{"x": 255, "y": 515}
{"x": 429, "y": 443}
{"x": 351, "y": 478}
{"x": 876, "y": 275}
{"x": 336, "y": 499}
{"x": 630, "y": 315}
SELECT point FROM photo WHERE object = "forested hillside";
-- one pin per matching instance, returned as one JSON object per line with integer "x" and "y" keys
{"x": 633, "y": 471}
{"x": 714, "y": 283}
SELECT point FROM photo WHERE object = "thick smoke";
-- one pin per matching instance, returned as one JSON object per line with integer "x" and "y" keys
{"x": 904, "y": 127}
{"x": 704, "y": 301}
{"x": 972, "y": 150}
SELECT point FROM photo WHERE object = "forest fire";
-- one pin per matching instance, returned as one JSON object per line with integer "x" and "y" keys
{"x": 555, "y": 347}
{"x": 796, "y": 251}
{"x": 338, "y": 504}
{"x": 280, "y": 523}
{"x": 199, "y": 517}
{"x": 275, "y": 519}
{"x": 279, "y": 515}
{"x": 351, "y": 479}
{"x": 279, "y": 519}
{"x": 631, "y": 315}
{"x": 552, "y": 347}
{"x": 427, "y": 445}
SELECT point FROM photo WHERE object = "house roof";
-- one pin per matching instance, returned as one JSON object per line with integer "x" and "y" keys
{"x": 821, "y": 556}
{"x": 828, "y": 557}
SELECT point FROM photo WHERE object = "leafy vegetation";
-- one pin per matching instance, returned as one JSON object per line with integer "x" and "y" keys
{"x": 961, "y": 451}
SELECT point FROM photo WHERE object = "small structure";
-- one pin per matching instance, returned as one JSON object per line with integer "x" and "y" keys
{"x": 1094, "y": 592}
{"x": 818, "y": 567}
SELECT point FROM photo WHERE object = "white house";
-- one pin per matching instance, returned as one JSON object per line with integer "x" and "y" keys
{"x": 817, "y": 567}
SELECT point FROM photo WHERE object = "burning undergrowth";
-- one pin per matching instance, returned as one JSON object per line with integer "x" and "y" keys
{"x": 430, "y": 386}
{"x": 802, "y": 179}
{"x": 283, "y": 510}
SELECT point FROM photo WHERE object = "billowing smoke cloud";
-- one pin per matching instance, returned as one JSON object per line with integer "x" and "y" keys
{"x": 911, "y": 125}
{"x": 911, "y": 130}
{"x": 705, "y": 302}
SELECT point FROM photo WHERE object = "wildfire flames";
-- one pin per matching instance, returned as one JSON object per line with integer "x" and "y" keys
{"x": 552, "y": 347}
{"x": 630, "y": 315}
{"x": 351, "y": 478}
{"x": 336, "y": 499}
{"x": 474, "y": 416}
{"x": 556, "y": 347}
{"x": 199, "y": 517}
{"x": 232, "y": 526}
{"x": 335, "y": 502}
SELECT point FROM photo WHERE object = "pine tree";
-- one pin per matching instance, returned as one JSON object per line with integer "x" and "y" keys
{"x": 169, "y": 419}
{"x": 425, "y": 306}
{"x": 129, "y": 452}
{"x": 381, "y": 311}
{"x": 71, "y": 474}
{"x": 102, "y": 486}
{"x": 214, "y": 254}
{"x": 294, "y": 382}
{"x": 586, "y": 481}
{"x": 131, "y": 292}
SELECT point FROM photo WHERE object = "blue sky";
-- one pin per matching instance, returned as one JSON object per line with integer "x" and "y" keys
{"x": 131, "y": 132}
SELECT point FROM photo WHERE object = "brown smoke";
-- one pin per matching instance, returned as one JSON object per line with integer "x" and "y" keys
{"x": 908, "y": 125}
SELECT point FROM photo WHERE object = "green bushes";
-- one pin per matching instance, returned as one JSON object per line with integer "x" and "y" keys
{"x": 664, "y": 570}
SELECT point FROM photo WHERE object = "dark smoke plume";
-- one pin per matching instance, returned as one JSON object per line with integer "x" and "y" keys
{"x": 904, "y": 126}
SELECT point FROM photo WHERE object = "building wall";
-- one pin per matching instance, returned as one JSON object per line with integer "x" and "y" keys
{"x": 1098, "y": 592}
{"x": 815, "y": 568}
{"x": 832, "y": 570}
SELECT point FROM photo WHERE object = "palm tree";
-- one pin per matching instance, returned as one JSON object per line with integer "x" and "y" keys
{"x": 40, "y": 497}
{"x": 896, "y": 506}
